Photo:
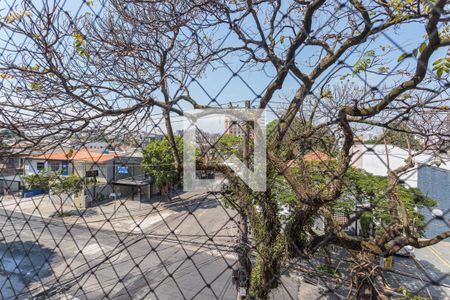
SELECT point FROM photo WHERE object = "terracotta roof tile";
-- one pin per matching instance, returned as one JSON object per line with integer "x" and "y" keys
{"x": 311, "y": 156}
{"x": 78, "y": 155}
{"x": 316, "y": 156}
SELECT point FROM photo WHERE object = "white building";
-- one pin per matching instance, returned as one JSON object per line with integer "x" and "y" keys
{"x": 378, "y": 159}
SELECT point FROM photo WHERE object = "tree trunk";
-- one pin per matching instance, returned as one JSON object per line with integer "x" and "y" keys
{"x": 270, "y": 248}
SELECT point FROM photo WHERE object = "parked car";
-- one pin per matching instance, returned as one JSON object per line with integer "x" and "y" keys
{"x": 437, "y": 213}
{"x": 406, "y": 251}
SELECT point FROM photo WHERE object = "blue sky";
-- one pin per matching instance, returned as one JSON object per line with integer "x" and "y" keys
{"x": 220, "y": 84}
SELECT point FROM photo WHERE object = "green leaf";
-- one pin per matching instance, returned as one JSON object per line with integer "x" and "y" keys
{"x": 327, "y": 94}
{"x": 364, "y": 62}
{"x": 80, "y": 42}
{"x": 422, "y": 47}
{"x": 406, "y": 95}
{"x": 438, "y": 61}
{"x": 383, "y": 69}
{"x": 35, "y": 68}
{"x": 402, "y": 57}
{"x": 370, "y": 53}
{"x": 36, "y": 86}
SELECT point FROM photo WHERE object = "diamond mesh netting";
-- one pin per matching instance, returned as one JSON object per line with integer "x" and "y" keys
{"x": 102, "y": 101}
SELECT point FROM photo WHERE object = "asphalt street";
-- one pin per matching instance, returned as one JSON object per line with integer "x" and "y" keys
{"x": 176, "y": 250}
{"x": 429, "y": 269}
{"x": 183, "y": 253}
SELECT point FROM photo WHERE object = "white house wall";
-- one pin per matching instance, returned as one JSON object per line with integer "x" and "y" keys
{"x": 376, "y": 161}
{"x": 105, "y": 170}
{"x": 30, "y": 166}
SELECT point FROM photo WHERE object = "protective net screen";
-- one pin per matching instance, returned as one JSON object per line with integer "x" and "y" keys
{"x": 235, "y": 149}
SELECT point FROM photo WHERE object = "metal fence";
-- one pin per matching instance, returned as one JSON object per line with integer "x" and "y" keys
{"x": 95, "y": 102}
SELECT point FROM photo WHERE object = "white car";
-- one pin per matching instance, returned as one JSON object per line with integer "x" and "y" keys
{"x": 437, "y": 213}
{"x": 285, "y": 210}
{"x": 407, "y": 251}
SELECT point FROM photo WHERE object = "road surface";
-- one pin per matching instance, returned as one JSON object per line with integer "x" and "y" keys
{"x": 180, "y": 251}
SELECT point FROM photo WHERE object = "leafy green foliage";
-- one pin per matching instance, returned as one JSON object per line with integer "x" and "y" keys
{"x": 36, "y": 86}
{"x": 409, "y": 295}
{"x": 70, "y": 184}
{"x": 369, "y": 191}
{"x": 158, "y": 162}
{"x": 330, "y": 270}
{"x": 228, "y": 145}
{"x": 38, "y": 181}
{"x": 80, "y": 45}
{"x": 364, "y": 62}
{"x": 366, "y": 221}
{"x": 361, "y": 190}
{"x": 383, "y": 69}
{"x": 442, "y": 66}
{"x": 403, "y": 57}
{"x": 414, "y": 53}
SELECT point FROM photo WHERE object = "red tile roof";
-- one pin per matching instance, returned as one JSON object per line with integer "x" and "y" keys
{"x": 78, "y": 155}
{"x": 311, "y": 156}
{"x": 316, "y": 156}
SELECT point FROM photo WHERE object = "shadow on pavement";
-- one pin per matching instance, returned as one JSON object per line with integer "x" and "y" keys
{"x": 81, "y": 213}
{"x": 190, "y": 205}
{"x": 425, "y": 279}
{"x": 21, "y": 265}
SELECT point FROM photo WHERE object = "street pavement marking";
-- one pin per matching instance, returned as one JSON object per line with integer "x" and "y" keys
{"x": 439, "y": 257}
{"x": 92, "y": 249}
{"x": 149, "y": 221}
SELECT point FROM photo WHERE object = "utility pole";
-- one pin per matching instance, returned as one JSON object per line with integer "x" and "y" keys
{"x": 244, "y": 247}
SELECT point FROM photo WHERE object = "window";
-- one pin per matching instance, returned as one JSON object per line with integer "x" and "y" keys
{"x": 64, "y": 168}
{"x": 40, "y": 166}
{"x": 54, "y": 166}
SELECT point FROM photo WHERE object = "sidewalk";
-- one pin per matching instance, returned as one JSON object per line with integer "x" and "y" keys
{"x": 119, "y": 215}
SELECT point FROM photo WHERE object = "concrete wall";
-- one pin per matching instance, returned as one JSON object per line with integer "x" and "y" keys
{"x": 10, "y": 165}
{"x": 30, "y": 166}
{"x": 12, "y": 185}
{"x": 121, "y": 191}
{"x": 100, "y": 189}
{"x": 376, "y": 160}
{"x": 105, "y": 170}
{"x": 435, "y": 182}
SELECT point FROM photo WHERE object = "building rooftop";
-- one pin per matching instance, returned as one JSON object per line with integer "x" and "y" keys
{"x": 312, "y": 156}
{"x": 77, "y": 155}
{"x": 316, "y": 156}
